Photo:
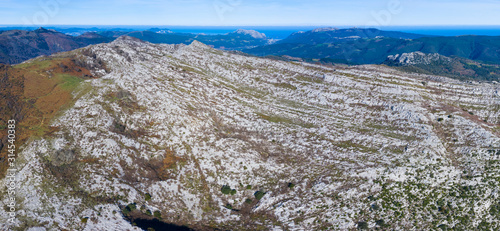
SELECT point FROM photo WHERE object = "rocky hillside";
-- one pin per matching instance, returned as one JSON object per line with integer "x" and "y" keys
{"x": 455, "y": 67}
{"x": 198, "y": 137}
{"x": 372, "y": 46}
{"x": 417, "y": 58}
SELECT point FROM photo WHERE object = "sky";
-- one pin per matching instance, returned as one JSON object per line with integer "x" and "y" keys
{"x": 250, "y": 13}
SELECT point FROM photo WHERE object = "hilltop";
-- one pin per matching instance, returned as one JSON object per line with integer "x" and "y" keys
{"x": 214, "y": 140}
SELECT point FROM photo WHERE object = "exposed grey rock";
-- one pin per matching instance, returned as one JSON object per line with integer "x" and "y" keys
{"x": 416, "y": 58}
{"x": 347, "y": 138}
{"x": 62, "y": 157}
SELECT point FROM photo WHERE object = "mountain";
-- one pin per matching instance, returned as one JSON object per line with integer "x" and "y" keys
{"x": 161, "y": 31}
{"x": 480, "y": 48}
{"x": 113, "y": 34}
{"x": 34, "y": 92}
{"x": 237, "y": 40}
{"x": 18, "y": 45}
{"x": 436, "y": 64}
{"x": 131, "y": 132}
{"x": 332, "y": 35}
{"x": 170, "y": 38}
{"x": 375, "y": 50}
{"x": 354, "y": 51}
{"x": 252, "y": 33}
{"x": 373, "y": 46}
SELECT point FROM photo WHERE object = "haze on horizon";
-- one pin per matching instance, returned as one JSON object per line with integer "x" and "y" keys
{"x": 245, "y": 12}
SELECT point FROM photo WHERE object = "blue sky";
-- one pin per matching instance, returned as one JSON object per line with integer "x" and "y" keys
{"x": 246, "y": 12}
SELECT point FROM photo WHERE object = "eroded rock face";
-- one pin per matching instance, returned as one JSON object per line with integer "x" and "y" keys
{"x": 209, "y": 139}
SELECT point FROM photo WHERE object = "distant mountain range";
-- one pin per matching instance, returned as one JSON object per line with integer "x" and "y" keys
{"x": 327, "y": 45}
{"x": 471, "y": 56}
{"x": 334, "y": 35}
{"x": 371, "y": 46}
{"x": 237, "y": 40}
{"x": 18, "y": 45}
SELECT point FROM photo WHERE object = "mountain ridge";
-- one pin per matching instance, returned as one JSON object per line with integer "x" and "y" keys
{"x": 437, "y": 64}
{"x": 18, "y": 45}
{"x": 327, "y": 45}
{"x": 208, "y": 139}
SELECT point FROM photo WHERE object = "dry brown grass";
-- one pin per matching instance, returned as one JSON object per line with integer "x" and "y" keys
{"x": 33, "y": 94}
{"x": 155, "y": 169}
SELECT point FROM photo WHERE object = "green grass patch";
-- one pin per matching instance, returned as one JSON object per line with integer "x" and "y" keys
{"x": 44, "y": 64}
{"x": 350, "y": 145}
{"x": 280, "y": 119}
{"x": 310, "y": 79}
{"x": 147, "y": 197}
{"x": 285, "y": 85}
{"x": 69, "y": 82}
{"x": 226, "y": 189}
{"x": 275, "y": 119}
{"x": 259, "y": 194}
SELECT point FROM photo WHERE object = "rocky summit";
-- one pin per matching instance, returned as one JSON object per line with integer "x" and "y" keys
{"x": 191, "y": 136}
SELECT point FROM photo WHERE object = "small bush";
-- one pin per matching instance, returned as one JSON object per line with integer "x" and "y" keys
{"x": 248, "y": 201}
{"x": 148, "y": 212}
{"x": 440, "y": 119}
{"x": 229, "y": 206}
{"x": 85, "y": 219}
{"x": 130, "y": 207}
{"x": 450, "y": 116}
{"x": 362, "y": 225}
{"x": 259, "y": 194}
{"x": 147, "y": 197}
{"x": 249, "y": 187}
{"x": 291, "y": 185}
{"x": 443, "y": 227}
{"x": 157, "y": 214}
{"x": 233, "y": 192}
{"x": 380, "y": 222}
{"x": 225, "y": 189}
